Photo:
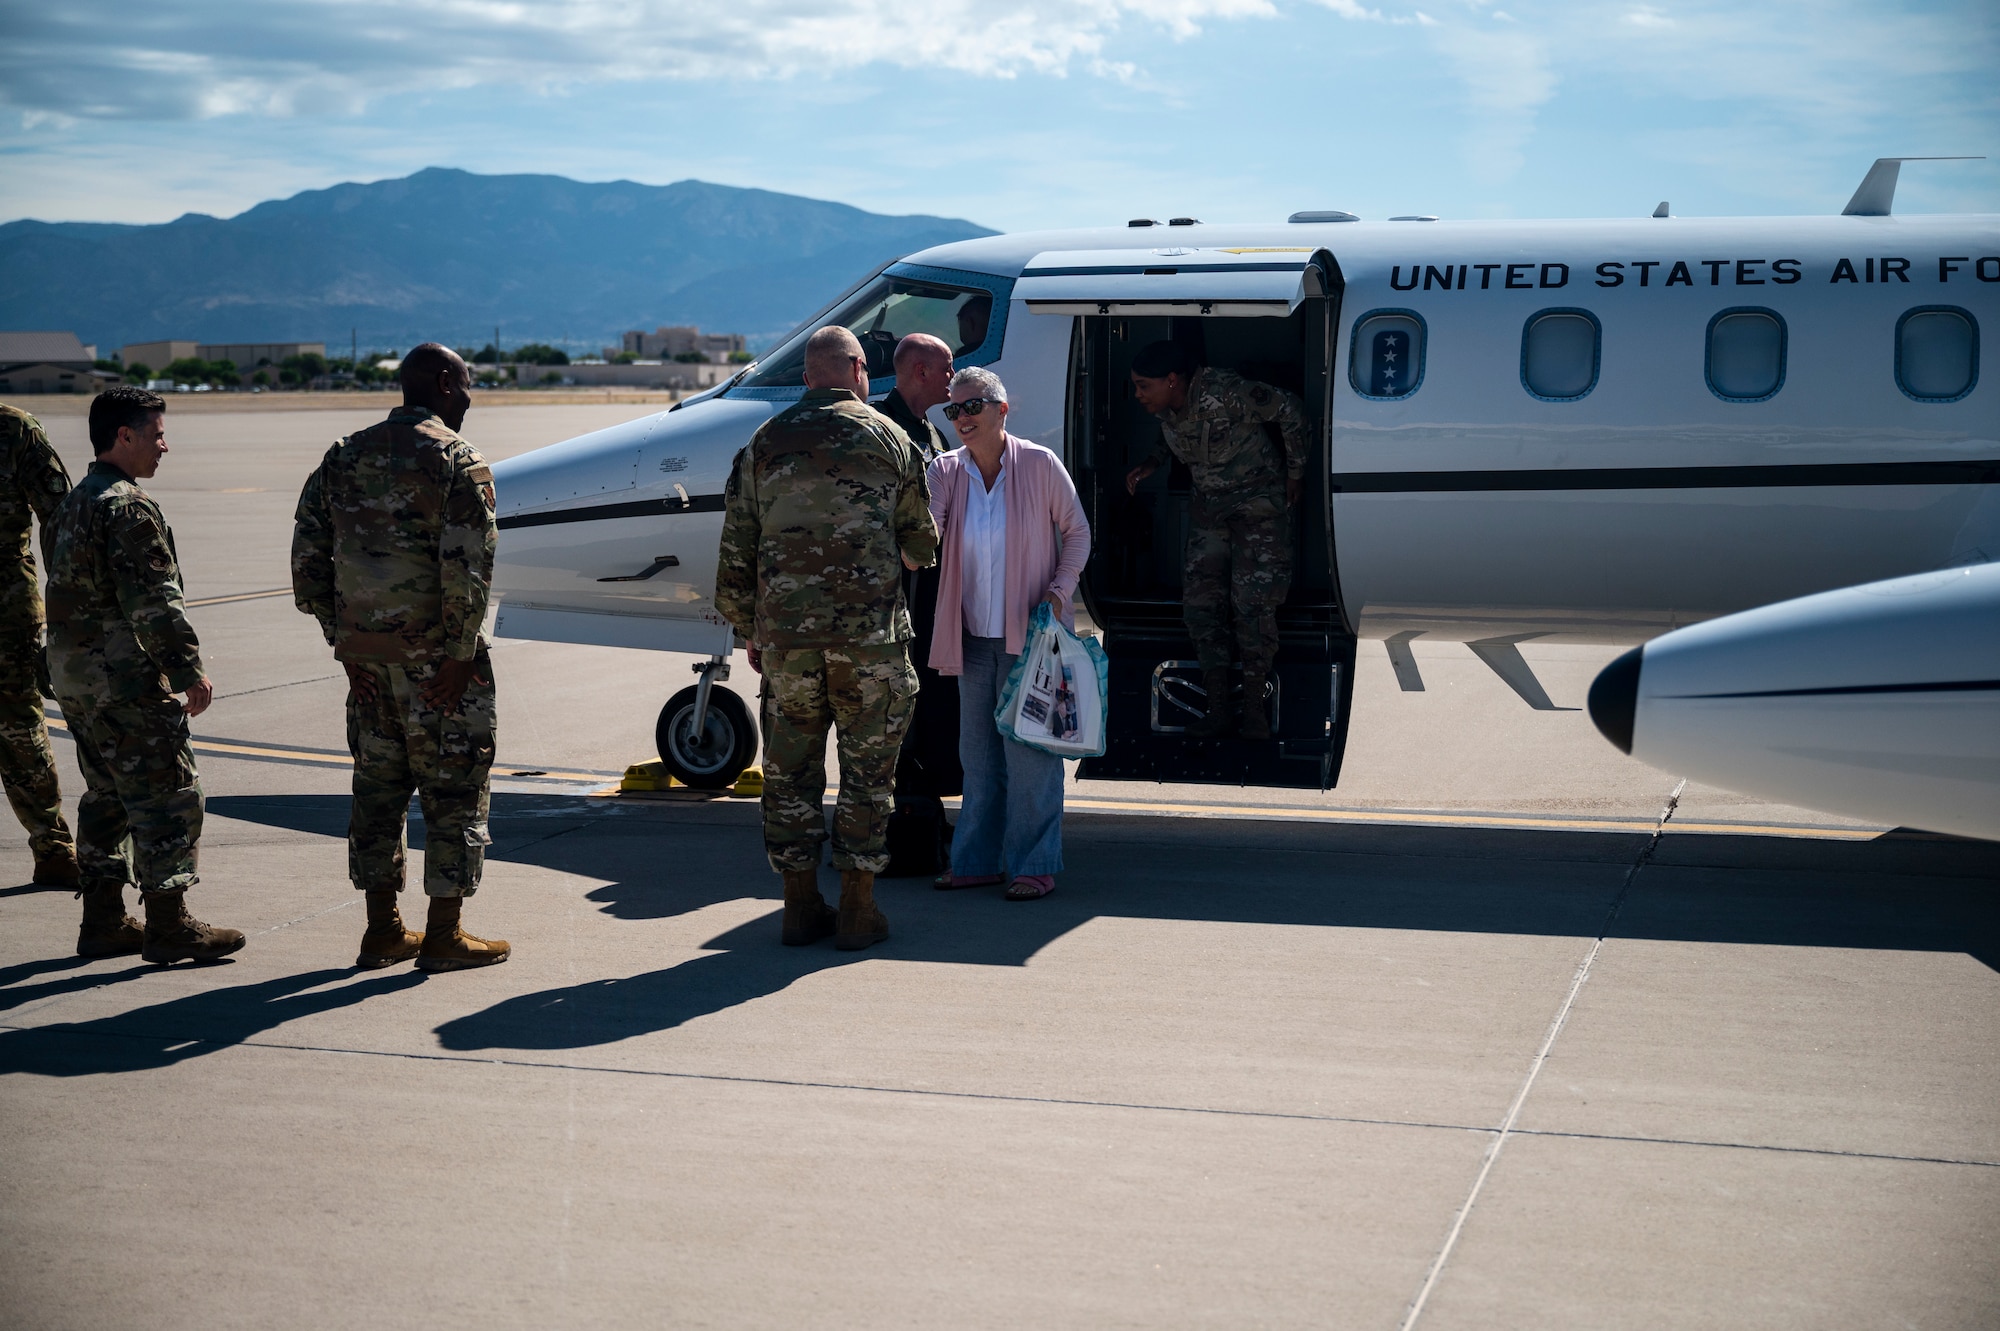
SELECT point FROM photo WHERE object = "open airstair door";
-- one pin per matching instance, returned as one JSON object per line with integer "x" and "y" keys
{"x": 1270, "y": 315}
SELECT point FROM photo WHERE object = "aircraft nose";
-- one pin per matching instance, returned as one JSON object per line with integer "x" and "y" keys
{"x": 1614, "y": 697}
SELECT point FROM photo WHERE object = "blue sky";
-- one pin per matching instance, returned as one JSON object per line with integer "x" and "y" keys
{"x": 1014, "y": 113}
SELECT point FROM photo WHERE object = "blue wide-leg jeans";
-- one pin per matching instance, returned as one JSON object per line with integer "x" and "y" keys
{"x": 1011, "y": 819}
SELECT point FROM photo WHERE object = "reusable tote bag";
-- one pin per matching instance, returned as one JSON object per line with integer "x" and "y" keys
{"x": 1056, "y": 695}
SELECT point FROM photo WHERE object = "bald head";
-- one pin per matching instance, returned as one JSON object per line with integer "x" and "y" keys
{"x": 434, "y": 377}
{"x": 834, "y": 360}
{"x": 923, "y": 371}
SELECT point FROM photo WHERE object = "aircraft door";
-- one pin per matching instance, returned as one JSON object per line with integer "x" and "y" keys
{"x": 1269, "y": 316}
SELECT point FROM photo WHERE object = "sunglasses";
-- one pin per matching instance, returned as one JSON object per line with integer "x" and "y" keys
{"x": 972, "y": 406}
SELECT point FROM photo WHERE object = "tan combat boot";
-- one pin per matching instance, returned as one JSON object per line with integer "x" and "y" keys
{"x": 861, "y": 924}
{"x": 174, "y": 935}
{"x": 1217, "y": 723}
{"x": 58, "y": 869}
{"x": 807, "y": 916}
{"x": 107, "y": 930}
{"x": 1256, "y": 723}
{"x": 446, "y": 947}
{"x": 386, "y": 941}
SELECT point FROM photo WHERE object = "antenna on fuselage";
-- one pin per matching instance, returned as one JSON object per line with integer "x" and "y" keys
{"x": 1661, "y": 211}
{"x": 1877, "y": 193}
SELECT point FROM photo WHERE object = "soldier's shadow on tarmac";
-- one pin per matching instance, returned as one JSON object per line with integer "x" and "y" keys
{"x": 1921, "y": 894}
{"x": 654, "y": 862}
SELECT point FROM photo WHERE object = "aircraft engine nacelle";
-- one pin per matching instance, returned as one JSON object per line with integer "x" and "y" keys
{"x": 1879, "y": 702}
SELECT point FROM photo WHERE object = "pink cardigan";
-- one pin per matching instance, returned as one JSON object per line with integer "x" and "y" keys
{"x": 1048, "y": 540}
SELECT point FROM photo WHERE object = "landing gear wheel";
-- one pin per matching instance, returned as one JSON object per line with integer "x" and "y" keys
{"x": 727, "y": 745}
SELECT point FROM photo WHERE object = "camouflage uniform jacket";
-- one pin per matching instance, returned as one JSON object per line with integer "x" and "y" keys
{"x": 1220, "y": 434}
{"x": 821, "y": 505}
{"x": 33, "y": 482}
{"x": 118, "y": 630}
{"x": 392, "y": 544}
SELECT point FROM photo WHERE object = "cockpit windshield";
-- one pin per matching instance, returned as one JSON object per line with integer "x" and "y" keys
{"x": 883, "y": 313}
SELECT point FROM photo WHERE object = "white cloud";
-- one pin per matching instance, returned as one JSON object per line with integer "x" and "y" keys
{"x": 95, "y": 59}
{"x": 1506, "y": 76}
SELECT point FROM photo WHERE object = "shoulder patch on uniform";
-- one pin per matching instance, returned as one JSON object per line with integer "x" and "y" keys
{"x": 480, "y": 474}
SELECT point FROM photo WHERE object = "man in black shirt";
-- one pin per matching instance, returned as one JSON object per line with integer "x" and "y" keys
{"x": 927, "y": 770}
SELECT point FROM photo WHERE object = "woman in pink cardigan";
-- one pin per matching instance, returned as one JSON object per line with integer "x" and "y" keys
{"x": 1011, "y": 535}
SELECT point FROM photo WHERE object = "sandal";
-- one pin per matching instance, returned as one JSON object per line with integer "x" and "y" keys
{"x": 951, "y": 882}
{"x": 1031, "y": 887}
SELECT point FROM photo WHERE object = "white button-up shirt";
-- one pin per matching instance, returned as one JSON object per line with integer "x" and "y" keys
{"x": 984, "y": 599}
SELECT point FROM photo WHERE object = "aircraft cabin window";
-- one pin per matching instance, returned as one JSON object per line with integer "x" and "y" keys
{"x": 882, "y": 314}
{"x": 1746, "y": 355}
{"x": 1559, "y": 354}
{"x": 1937, "y": 353}
{"x": 1387, "y": 356}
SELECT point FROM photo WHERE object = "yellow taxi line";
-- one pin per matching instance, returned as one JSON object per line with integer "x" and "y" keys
{"x": 324, "y": 759}
{"x": 1428, "y": 817}
{"x": 240, "y": 596}
{"x": 1415, "y": 817}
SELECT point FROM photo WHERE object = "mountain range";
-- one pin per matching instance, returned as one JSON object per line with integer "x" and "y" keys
{"x": 447, "y": 255}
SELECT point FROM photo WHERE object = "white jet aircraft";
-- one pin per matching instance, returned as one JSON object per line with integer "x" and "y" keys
{"x": 1558, "y": 431}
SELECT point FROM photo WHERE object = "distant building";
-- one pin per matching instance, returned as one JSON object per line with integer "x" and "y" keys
{"x": 158, "y": 355}
{"x": 671, "y": 343}
{"x": 48, "y": 363}
{"x": 245, "y": 356}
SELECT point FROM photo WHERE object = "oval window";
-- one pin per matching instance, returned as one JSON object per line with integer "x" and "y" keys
{"x": 1746, "y": 355}
{"x": 1387, "y": 358}
{"x": 1937, "y": 354}
{"x": 1559, "y": 355}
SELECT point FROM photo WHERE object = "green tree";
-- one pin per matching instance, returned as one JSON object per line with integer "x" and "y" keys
{"x": 690, "y": 358}
{"x": 138, "y": 372}
{"x": 540, "y": 353}
{"x": 740, "y": 358}
{"x": 307, "y": 366}
{"x": 486, "y": 355}
{"x": 625, "y": 358}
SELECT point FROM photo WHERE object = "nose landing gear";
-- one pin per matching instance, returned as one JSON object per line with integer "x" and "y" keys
{"x": 705, "y": 735}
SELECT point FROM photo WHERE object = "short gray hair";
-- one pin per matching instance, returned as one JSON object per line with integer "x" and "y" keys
{"x": 987, "y": 382}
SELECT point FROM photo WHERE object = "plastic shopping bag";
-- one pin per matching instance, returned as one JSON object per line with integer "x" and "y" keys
{"x": 1056, "y": 696}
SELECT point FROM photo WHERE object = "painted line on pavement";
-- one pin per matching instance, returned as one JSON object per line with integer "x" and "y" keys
{"x": 1438, "y": 817}
{"x": 336, "y": 758}
{"x": 240, "y": 596}
{"x": 930, "y": 1092}
{"x": 1147, "y": 808}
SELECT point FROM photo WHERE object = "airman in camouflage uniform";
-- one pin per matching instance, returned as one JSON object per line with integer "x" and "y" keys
{"x": 120, "y": 647}
{"x": 392, "y": 552}
{"x": 32, "y": 482}
{"x": 1239, "y": 555}
{"x": 825, "y": 507}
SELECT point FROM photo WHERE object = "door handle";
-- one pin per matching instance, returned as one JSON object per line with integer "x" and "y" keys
{"x": 659, "y": 562}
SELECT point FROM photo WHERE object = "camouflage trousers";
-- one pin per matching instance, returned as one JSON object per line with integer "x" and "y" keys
{"x": 27, "y": 767}
{"x": 140, "y": 816}
{"x": 1239, "y": 567}
{"x": 867, "y": 693}
{"x": 402, "y": 747}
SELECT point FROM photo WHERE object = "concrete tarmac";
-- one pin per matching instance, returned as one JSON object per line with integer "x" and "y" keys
{"x": 1496, "y": 1034}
